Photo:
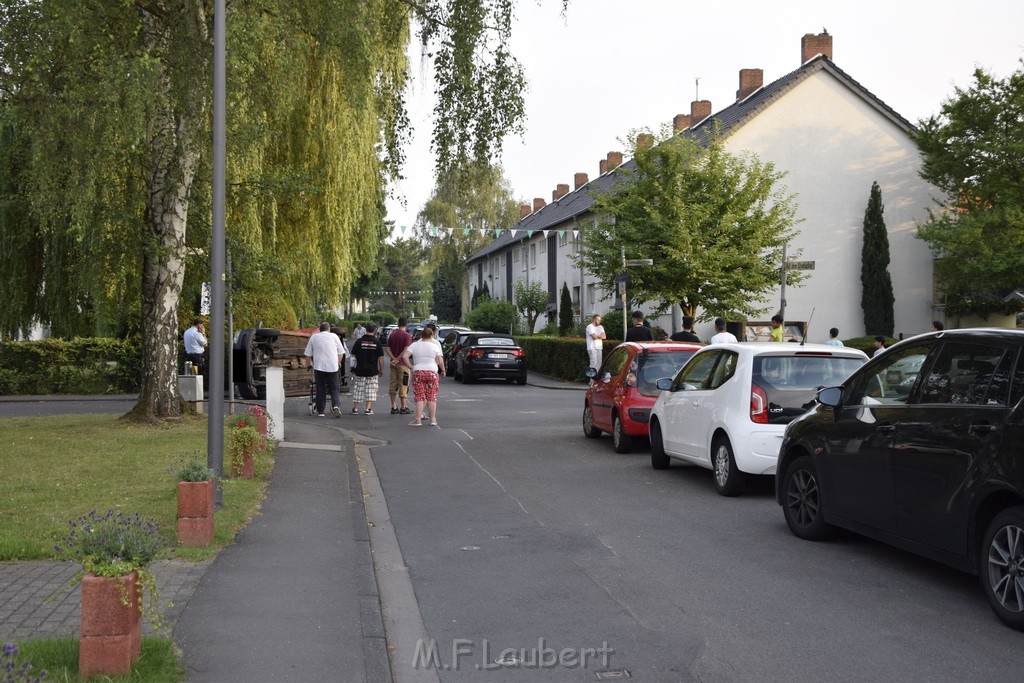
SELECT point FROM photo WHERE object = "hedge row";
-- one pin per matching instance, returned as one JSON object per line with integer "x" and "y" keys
{"x": 78, "y": 366}
{"x": 562, "y": 357}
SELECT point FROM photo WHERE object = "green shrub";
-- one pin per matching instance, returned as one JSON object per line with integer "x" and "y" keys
{"x": 562, "y": 357}
{"x": 77, "y": 366}
{"x": 612, "y": 323}
{"x": 494, "y": 316}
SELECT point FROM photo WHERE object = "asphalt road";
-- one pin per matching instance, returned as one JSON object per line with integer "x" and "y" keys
{"x": 520, "y": 534}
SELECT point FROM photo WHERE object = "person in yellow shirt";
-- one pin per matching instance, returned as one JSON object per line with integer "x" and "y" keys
{"x": 777, "y": 328}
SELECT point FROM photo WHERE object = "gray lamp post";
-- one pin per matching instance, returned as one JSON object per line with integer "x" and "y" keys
{"x": 215, "y": 427}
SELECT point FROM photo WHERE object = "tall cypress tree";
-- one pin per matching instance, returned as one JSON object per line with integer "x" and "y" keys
{"x": 876, "y": 284}
{"x": 565, "y": 316}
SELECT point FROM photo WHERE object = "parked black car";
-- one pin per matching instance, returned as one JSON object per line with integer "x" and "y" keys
{"x": 485, "y": 354}
{"x": 922, "y": 448}
{"x": 450, "y": 345}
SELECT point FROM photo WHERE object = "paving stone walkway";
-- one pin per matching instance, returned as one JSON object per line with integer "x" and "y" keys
{"x": 37, "y": 602}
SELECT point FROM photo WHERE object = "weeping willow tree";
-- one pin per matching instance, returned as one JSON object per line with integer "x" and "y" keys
{"x": 106, "y": 120}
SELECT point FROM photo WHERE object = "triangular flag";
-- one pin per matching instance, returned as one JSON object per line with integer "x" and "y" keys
{"x": 433, "y": 231}
{"x": 497, "y": 232}
{"x": 575, "y": 234}
{"x": 514, "y": 233}
{"x": 561, "y": 233}
{"x": 465, "y": 231}
{"x": 402, "y": 229}
{"x": 529, "y": 233}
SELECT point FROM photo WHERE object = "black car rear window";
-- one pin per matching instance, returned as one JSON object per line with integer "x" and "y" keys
{"x": 791, "y": 382}
{"x": 494, "y": 341}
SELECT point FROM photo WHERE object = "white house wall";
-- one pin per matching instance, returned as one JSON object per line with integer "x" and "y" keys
{"x": 833, "y": 144}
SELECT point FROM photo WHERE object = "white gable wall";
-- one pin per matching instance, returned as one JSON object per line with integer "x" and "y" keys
{"x": 833, "y": 145}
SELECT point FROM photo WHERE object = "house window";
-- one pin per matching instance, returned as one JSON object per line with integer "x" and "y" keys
{"x": 533, "y": 255}
{"x": 576, "y": 297}
{"x": 515, "y": 256}
{"x": 592, "y": 298}
{"x": 543, "y": 246}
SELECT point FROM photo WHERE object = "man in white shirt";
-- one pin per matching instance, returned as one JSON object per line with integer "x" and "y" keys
{"x": 195, "y": 344}
{"x": 327, "y": 353}
{"x": 595, "y": 343}
{"x": 721, "y": 336}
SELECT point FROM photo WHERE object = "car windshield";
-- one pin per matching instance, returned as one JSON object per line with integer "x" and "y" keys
{"x": 495, "y": 341}
{"x": 791, "y": 382}
{"x": 659, "y": 365}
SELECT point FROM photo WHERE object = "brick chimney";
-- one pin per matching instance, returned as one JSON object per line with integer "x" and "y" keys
{"x": 538, "y": 203}
{"x": 750, "y": 80}
{"x": 680, "y": 123}
{"x": 699, "y": 110}
{"x": 811, "y": 45}
{"x": 644, "y": 141}
{"x": 580, "y": 179}
{"x": 614, "y": 160}
{"x": 524, "y": 211}
{"x": 602, "y": 166}
{"x": 560, "y": 191}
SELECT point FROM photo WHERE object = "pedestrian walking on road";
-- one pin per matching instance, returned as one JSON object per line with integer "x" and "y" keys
{"x": 427, "y": 361}
{"x": 328, "y": 353}
{"x": 369, "y": 355}
{"x": 833, "y": 337}
{"x": 398, "y": 386}
{"x": 687, "y": 334}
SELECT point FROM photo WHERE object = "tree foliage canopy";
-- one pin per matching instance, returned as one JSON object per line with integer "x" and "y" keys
{"x": 105, "y": 120}
{"x": 714, "y": 224}
{"x": 974, "y": 152}
{"x": 531, "y": 300}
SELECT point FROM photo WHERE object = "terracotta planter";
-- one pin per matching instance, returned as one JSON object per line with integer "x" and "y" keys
{"x": 247, "y": 468}
{"x": 110, "y": 638}
{"x": 195, "y": 513}
{"x": 261, "y": 425}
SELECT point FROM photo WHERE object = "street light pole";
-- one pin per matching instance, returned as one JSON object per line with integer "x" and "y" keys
{"x": 624, "y": 298}
{"x": 215, "y": 427}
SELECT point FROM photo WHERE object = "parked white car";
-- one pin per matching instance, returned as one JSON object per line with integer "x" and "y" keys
{"x": 728, "y": 407}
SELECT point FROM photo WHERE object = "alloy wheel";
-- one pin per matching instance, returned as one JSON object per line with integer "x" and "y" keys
{"x": 1006, "y": 567}
{"x": 802, "y": 498}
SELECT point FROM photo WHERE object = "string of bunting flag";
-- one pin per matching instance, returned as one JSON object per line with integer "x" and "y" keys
{"x": 433, "y": 230}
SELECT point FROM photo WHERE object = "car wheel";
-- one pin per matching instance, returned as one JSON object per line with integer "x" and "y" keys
{"x": 467, "y": 376}
{"x": 246, "y": 391}
{"x": 659, "y": 460}
{"x": 521, "y": 380}
{"x": 622, "y": 441}
{"x": 266, "y": 333}
{"x": 801, "y": 502}
{"x": 589, "y": 430}
{"x": 728, "y": 478}
{"x": 1001, "y": 566}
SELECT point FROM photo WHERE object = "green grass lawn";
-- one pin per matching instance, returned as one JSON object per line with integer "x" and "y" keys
{"x": 55, "y": 469}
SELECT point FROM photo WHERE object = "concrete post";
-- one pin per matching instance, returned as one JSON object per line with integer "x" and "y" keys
{"x": 275, "y": 401}
{"x": 191, "y": 389}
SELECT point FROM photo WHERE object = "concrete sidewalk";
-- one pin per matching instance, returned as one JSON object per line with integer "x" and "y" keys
{"x": 295, "y": 598}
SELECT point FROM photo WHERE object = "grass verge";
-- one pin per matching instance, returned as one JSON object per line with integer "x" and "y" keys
{"x": 58, "y": 468}
{"x": 158, "y": 662}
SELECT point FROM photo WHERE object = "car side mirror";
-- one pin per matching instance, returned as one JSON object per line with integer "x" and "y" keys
{"x": 591, "y": 373}
{"x": 831, "y": 397}
{"x": 664, "y": 384}
{"x": 607, "y": 377}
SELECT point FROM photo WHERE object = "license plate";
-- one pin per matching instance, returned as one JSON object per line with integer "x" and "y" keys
{"x": 499, "y": 355}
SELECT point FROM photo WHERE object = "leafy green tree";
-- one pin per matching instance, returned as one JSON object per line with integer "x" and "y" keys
{"x": 530, "y": 300}
{"x": 973, "y": 151}
{"x": 113, "y": 102}
{"x": 877, "y": 298}
{"x": 565, "y": 312}
{"x": 470, "y": 201}
{"x": 714, "y": 224}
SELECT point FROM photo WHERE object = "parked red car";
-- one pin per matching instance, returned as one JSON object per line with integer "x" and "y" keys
{"x": 623, "y": 391}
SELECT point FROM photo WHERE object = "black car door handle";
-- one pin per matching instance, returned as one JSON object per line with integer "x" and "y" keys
{"x": 981, "y": 429}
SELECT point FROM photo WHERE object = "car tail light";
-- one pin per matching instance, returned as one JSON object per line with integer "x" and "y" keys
{"x": 758, "y": 405}
{"x": 518, "y": 353}
{"x": 473, "y": 353}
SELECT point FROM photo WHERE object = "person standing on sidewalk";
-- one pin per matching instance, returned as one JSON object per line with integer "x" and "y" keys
{"x": 195, "y": 344}
{"x": 595, "y": 337}
{"x": 639, "y": 332}
{"x": 427, "y": 361}
{"x": 369, "y": 355}
{"x": 328, "y": 353}
{"x": 398, "y": 387}
{"x": 686, "y": 334}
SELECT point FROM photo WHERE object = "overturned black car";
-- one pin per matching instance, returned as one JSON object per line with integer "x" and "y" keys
{"x": 257, "y": 349}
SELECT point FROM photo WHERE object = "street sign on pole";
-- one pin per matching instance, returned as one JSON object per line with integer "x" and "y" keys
{"x": 640, "y": 262}
{"x": 799, "y": 265}
{"x": 622, "y": 278}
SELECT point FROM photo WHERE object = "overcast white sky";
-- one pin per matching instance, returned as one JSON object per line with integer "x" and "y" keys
{"x": 610, "y": 66}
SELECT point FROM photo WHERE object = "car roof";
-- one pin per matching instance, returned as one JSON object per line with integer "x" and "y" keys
{"x": 775, "y": 348}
